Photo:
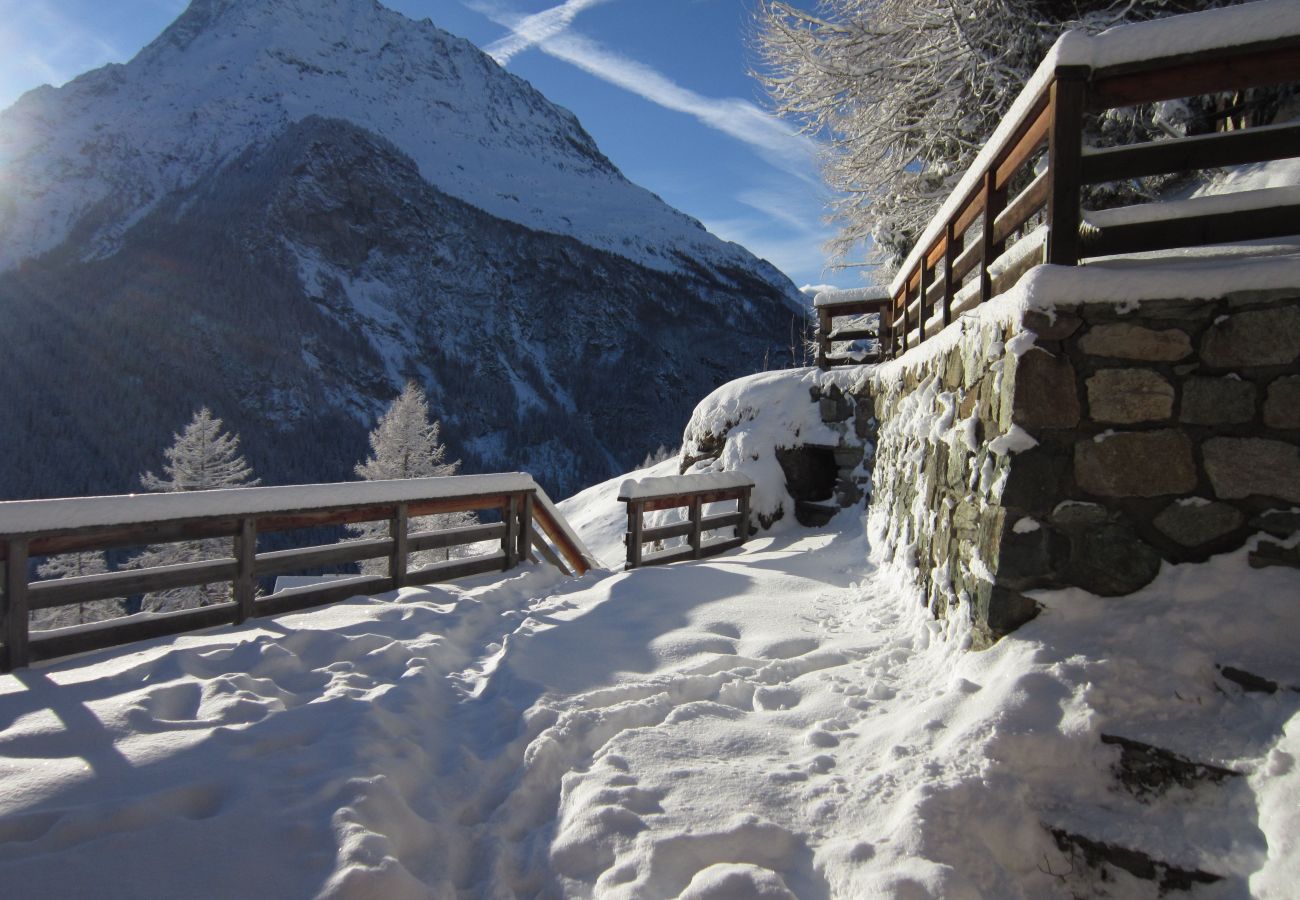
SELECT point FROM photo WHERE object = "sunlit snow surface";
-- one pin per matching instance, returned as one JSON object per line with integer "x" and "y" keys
{"x": 780, "y": 720}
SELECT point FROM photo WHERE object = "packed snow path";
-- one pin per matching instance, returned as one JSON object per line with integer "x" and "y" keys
{"x": 782, "y": 720}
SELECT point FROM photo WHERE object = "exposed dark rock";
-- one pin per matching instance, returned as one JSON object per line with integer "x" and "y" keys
{"x": 1245, "y": 467}
{"x": 1194, "y": 525}
{"x": 1282, "y": 403}
{"x": 1126, "y": 341}
{"x": 1045, "y": 394}
{"x": 1217, "y": 401}
{"x": 1129, "y": 395}
{"x": 1097, "y": 855}
{"x": 1149, "y": 771}
{"x": 1247, "y": 681}
{"x": 1277, "y": 522}
{"x": 1110, "y": 560}
{"x": 1262, "y": 337}
{"x": 1271, "y": 554}
{"x": 1052, "y": 328}
{"x": 1136, "y": 464}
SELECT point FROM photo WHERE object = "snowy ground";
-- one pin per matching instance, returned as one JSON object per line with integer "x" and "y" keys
{"x": 780, "y": 720}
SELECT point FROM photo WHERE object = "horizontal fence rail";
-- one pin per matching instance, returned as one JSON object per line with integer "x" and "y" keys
{"x": 691, "y": 492}
{"x": 970, "y": 250}
{"x": 37, "y": 528}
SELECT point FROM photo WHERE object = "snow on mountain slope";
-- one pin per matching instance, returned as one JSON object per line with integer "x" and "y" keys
{"x": 229, "y": 74}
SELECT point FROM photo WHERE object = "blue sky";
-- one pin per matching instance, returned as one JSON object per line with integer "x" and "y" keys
{"x": 662, "y": 85}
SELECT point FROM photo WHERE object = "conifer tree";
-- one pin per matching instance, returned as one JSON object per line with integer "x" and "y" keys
{"x": 406, "y": 444}
{"x": 202, "y": 457}
{"x": 73, "y": 565}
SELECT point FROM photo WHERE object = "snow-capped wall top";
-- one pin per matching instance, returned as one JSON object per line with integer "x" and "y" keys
{"x": 229, "y": 74}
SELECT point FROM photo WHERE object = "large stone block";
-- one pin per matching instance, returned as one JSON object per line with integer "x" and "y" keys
{"x": 1110, "y": 560}
{"x": 1261, "y": 337}
{"x": 1049, "y": 327}
{"x": 1045, "y": 392}
{"x": 1136, "y": 464}
{"x": 1245, "y": 467}
{"x": 1217, "y": 401}
{"x": 1125, "y": 341}
{"x": 1282, "y": 403}
{"x": 1126, "y": 396}
{"x": 1195, "y": 524}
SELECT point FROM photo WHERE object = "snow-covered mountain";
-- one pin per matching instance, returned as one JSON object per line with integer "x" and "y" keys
{"x": 285, "y": 208}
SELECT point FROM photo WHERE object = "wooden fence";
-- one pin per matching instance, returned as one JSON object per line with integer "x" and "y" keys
{"x": 48, "y": 527}
{"x": 951, "y": 268}
{"x": 853, "y": 305}
{"x": 691, "y": 492}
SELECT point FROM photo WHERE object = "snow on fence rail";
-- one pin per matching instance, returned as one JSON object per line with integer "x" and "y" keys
{"x": 33, "y": 528}
{"x": 962, "y": 258}
{"x": 855, "y": 305}
{"x": 644, "y": 495}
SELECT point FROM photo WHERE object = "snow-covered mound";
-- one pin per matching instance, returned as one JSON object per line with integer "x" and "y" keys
{"x": 230, "y": 74}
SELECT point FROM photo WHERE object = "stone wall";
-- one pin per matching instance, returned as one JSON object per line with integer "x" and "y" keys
{"x": 1083, "y": 448}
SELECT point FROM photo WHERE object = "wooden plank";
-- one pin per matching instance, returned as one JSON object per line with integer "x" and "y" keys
{"x": 457, "y": 568}
{"x": 85, "y": 588}
{"x": 696, "y": 514}
{"x": 280, "y": 562}
{"x": 307, "y": 596}
{"x": 854, "y": 334}
{"x": 743, "y": 512}
{"x": 560, "y": 539}
{"x": 15, "y": 613}
{"x": 544, "y": 549}
{"x": 1018, "y": 211}
{"x": 967, "y": 260}
{"x": 672, "y": 501}
{"x": 663, "y": 557}
{"x": 115, "y": 632}
{"x": 1217, "y": 228}
{"x": 398, "y": 534}
{"x": 80, "y": 540}
{"x": 713, "y": 548}
{"x": 969, "y": 212}
{"x": 634, "y": 537}
{"x": 664, "y": 532}
{"x": 1208, "y": 151}
{"x": 950, "y": 284}
{"x": 995, "y": 200}
{"x": 937, "y": 251}
{"x": 244, "y": 587}
{"x": 455, "y": 537}
{"x": 1064, "y": 152}
{"x": 468, "y": 503}
{"x": 823, "y": 335}
{"x": 1028, "y": 142}
{"x": 510, "y": 540}
{"x": 855, "y": 307}
{"x": 1190, "y": 75}
{"x": 316, "y": 518}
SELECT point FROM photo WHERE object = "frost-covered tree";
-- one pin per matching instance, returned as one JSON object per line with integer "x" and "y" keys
{"x": 407, "y": 444}
{"x": 202, "y": 457}
{"x": 904, "y": 93}
{"x": 73, "y": 565}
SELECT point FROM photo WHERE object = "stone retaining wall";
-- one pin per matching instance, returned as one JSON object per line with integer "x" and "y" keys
{"x": 1086, "y": 447}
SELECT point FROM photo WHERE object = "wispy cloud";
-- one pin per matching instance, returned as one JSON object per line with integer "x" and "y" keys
{"x": 528, "y": 31}
{"x": 549, "y": 31}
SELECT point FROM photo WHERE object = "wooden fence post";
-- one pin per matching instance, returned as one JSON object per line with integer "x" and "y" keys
{"x": 510, "y": 541}
{"x": 398, "y": 527}
{"x": 952, "y": 249}
{"x": 1064, "y": 161}
{"x": 824, "y": 323}
{"x": 634, "y": 515}
{"x": 245, "y": 554}
{"x": 995, "y": 200}
{"x": 927, "y": 278}
{"x": 526, "y": 526}
{"x": 742, "y": 506}
{"x": 696, "y": 516}
{"x": 15, "y": 606}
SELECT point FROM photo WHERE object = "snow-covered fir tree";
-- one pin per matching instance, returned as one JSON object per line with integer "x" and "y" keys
{"x": 74, "y": 565}
{"x": 406, "y": 444}
{"x": 202, "y": 457}
{"x": 904, "y": 93}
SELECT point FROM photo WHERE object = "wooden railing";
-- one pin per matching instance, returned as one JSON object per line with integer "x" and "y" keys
{"x": 951, "y": 268}
{"x": 854, "y": 306}
{"x": 692, "y": 492}
{"x": 37, "y": 528}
